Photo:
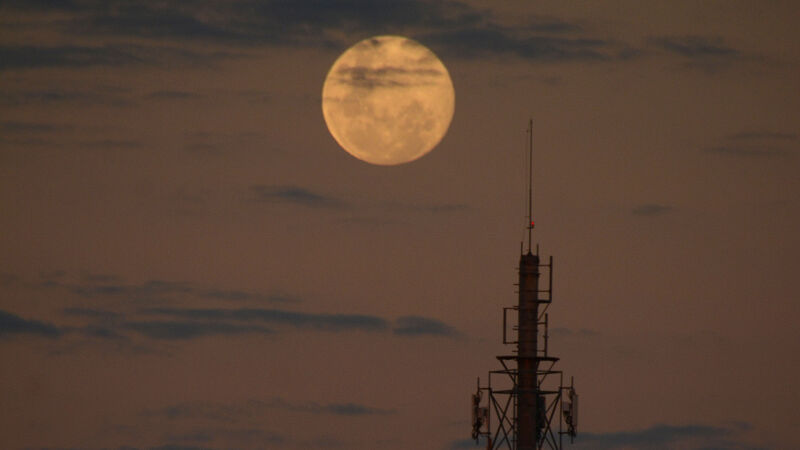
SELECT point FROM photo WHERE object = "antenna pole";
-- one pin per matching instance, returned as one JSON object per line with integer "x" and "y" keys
{"x": 530, "y": 182}
{"x": 531, "y": 415}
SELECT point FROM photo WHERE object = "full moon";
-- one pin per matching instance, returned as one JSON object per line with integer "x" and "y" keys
{"x": 388, "y": 100}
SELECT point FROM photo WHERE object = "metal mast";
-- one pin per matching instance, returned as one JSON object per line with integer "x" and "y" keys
{"x": 528, "y": 329}
{"x": 533, "y": 409}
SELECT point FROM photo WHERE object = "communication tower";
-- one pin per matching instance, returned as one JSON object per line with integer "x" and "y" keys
{"x": 528, "y": 406}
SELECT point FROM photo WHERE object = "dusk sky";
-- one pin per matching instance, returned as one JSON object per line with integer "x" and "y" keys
{"x": 188, "y": 259}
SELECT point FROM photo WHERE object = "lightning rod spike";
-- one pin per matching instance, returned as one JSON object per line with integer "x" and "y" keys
{"x": 530, "y": 181}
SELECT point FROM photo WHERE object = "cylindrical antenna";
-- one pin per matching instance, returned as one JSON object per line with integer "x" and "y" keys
{"x": 530, "y": 182}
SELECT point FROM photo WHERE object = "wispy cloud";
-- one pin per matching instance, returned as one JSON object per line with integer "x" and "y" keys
{"x": 180, "y": 330}
{"x": 294, "y": 195}
{"x": 233, "y": 412}
{"x": 230, "y": 320}
{"x": 43, "y": 140}
{"x": 27, "y": 57}
{"x": 206, "y": 436}
{"x": 252, "y": 22}
{"x": 461, "y": 30}
{"x": 158, "y": 21}
{"x": 93, "y": 313}
{"x": 111, "y": 287}
{"x": 191, "y": 323}
{"x": 667, "y": 436}
{"x": 80, "y": 56}
{"x": 696, "y": 46}
{"x": 45, "y": 5}
{"x": 486, "y": 41}
{"x": 12, "y": 324}
{"x": 315, "y": 321}
{"x": 31, "y": 127}
{"x": 106, "y": 96}
{"x": 422, "y": 326}
{"x": 102, "y": 324}
{"x": 339, "y": 409}
{"x": 348, "y": 409}
{"x": 172, "y": 95}
{"x": 105, "y": 333}
{"x": 32, "y": 134}
{"x": 707, "y": 53}
{"x": 93, "y": 286}
{"x": 105, "y": 319}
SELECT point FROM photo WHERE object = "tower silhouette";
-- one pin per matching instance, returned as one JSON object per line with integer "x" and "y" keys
{"x": 533, "y": 409}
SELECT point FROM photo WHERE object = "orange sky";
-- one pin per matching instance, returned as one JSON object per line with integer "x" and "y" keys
{"x": 191, "y": 261}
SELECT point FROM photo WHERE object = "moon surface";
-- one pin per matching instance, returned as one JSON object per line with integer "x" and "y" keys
{"x": 388, "y": 100}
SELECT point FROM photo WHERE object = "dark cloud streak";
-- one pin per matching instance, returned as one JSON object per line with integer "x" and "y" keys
{"x": 403, "y": 326}
{"x": 294, "y": 195}
{"x": 43, "y": 5}
{"x": 707, "y": 53}
{"x": 481, "y": 42}
{"x": 159, "y": 289}
{"x": 102, "y": 96}
{"x": 27, "y": 57}
{"x": 460, "y": 30}
{"x": 316, "y": 321}
{"x": 696, "y": 46}
{"x": 232, "y": 412}
{"x": 92, "y": 313}
{"x": 31, "y": 127}
{"x": 664, "y": 436}
{"x": 76, "y": 56}
{"x": 180, "y": 330}
{"x": 12, "y": 324}
{"x": 178, "y": 323}
{"x": 172, "y": 95}
{"x": 422, "y": 326}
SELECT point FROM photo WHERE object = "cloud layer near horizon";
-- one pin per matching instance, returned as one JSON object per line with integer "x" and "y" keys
{"x": 454, "y": 28}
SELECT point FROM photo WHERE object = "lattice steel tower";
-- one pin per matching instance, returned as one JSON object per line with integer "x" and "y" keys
{"x": 532, "y": 406}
